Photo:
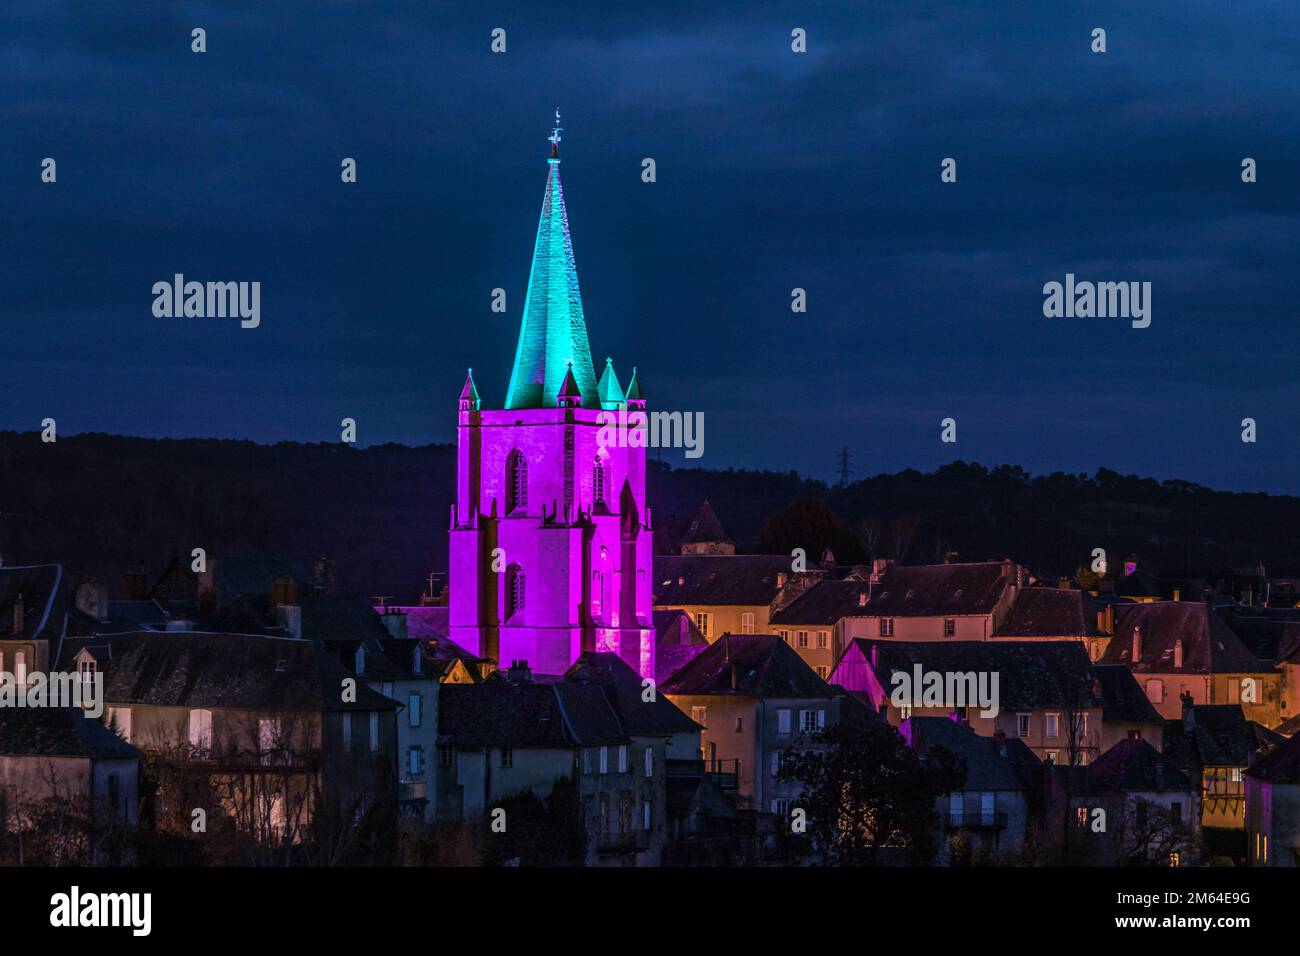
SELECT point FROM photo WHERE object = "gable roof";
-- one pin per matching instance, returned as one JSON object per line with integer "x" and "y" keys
{"x": 1032, "y": 675}
{"x": 1209, "y": 646}
{"x": 986, "y": 769}
{"x": 524, "y": 714}
{"x": 754, "y": 665}
{"x": 938, "y": 589}
{"x": 236, "y": 671}
{"x": 725, "y": 579}
{"x": 1050, "y": 612}
{"x": 1216, "y": 735}
{"x": 1281, "y": 765}
{"x": 1122, "y": 698}
{"x": 825, "y": 604}
{"x": 622, "y": 687}
{"x": 58, "y": 732}
{"x": 1134, "y": 765}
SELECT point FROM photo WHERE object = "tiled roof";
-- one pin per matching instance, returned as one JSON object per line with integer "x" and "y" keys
{"x": 1270, "y": 638}
{"x": 248, "y": 672}
{"x": 1282, "y": 765}
{"x": 740, "y": 579}
{"x": 1123, "y": 700}
{"x": 986, "y": 769}
{"x": 1050, "y": 612}
{"x": 57, "y": 732}
{"x": 1209, "y": 646}
{"x": 1134, "y": 765}
{"x": 751, "y": 665}
{"x": 622, "y": 688}
{"x": 523, "y": 714}
{"x": 825, "y": 604}
{"x": 1031, "y": 674}
{"x": 705, "y": 527}
{"x": 938, "y": 589}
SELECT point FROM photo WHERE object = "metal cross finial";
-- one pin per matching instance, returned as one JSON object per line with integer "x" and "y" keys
{"x": 556, "y": 130}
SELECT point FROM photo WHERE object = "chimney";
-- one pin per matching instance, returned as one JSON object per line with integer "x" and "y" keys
{"x": 1106, "y": 619}
{"x": 519, "y": 673}
{"x": 781, "y": 578}
{"x": 1063, "y": 583}
{"x": 1178, "y": 653}
{"x": 1178, "y": 594}
{"x": 828, "y": 559}
{"x": 137, "y": 585}
{"x": 878, "y": 569}
{"x": 862, "y": 599}
{"x": 1137, "y": 645}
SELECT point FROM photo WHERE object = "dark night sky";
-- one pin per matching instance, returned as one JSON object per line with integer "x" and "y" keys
{"x": 775, "y": 170}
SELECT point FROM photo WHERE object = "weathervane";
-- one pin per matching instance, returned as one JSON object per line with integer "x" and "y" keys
{"x": 554, "y": 138}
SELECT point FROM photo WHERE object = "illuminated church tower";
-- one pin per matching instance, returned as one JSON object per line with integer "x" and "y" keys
{"x": 550, "y": 534}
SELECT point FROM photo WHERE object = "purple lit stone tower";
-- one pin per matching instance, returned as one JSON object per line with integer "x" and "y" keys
{"x": 550, "y": 534}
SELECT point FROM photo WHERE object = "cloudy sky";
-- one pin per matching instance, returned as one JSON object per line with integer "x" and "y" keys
{"x": 775, "y": 170}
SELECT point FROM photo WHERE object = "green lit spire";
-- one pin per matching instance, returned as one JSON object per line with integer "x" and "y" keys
{"x": 553, "y": 332}
{"x": 609, "y": 389}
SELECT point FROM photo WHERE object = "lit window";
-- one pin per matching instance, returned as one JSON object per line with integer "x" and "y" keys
{"x": 822, "y": 639}
{"x": 803, "y": 639}
{"x": 415, "y": 761}
{"x": 702, "y": 622}
{"x": 747, "y": 623}
{"x": 823, "y": 672}
{"x": 700, "y": 716}
{"x": 86, "y": 669}
{"x": 201, "y": 730}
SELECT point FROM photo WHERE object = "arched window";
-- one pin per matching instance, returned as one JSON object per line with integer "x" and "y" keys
{"x": 516, "y": 482}
{"x": 514, "y": 591}
{"x": 599, "y": 483}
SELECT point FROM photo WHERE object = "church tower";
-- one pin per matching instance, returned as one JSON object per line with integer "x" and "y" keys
{"x": 550, "y": 535}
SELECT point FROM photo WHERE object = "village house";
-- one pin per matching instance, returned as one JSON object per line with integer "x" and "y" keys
{"x": 1148, "y": 809}
{"x": 1273, "y": 807}
{"x": 1047, "y": 694}
{"x": 935, "y": 602}
{"x": 1215, "y": 744}
{"x": 723, "y": 594}
{"x": 1183, "y": 647}
{"x": 265, "y": 732}
{"x": 988, "y": 819}
{"x": 57, "y": 756}
{"x": 755, "y": 698}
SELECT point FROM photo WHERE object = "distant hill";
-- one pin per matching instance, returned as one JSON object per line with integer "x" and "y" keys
{"x": 101, "y": 504}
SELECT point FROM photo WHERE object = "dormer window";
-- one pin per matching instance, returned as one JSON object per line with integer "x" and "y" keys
{"x": 86, "y": 671}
